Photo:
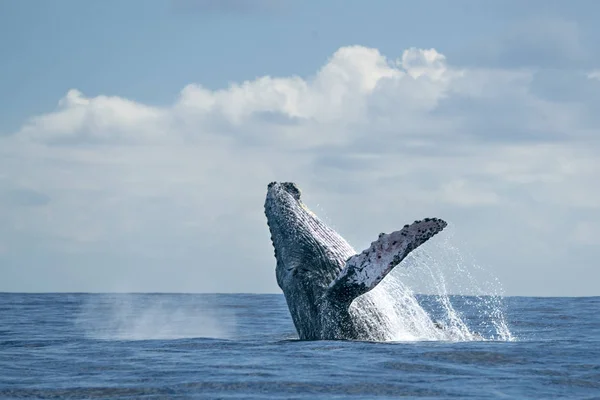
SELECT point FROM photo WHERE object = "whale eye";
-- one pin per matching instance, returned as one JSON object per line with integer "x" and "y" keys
{"x": 292, "y": 189}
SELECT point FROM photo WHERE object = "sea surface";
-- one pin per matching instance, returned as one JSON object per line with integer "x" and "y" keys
{"x": 197, "y": 346}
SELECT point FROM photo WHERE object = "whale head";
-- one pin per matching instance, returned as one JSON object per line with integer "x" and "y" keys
{"x": 309, "y": 254}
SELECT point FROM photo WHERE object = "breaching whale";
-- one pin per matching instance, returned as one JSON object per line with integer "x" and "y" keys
{"x": 321, "y": 275}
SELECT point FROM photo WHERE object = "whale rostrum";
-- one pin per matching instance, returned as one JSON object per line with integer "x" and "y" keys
{"x": 321, "y": 275}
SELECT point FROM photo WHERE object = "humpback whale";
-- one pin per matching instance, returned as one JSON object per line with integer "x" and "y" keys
{"x": 321, "y": 276}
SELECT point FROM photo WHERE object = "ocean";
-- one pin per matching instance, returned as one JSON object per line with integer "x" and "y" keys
{"x": 230, "y": 346}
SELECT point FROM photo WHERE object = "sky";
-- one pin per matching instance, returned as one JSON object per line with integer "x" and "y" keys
{"x": 137, "y": 138}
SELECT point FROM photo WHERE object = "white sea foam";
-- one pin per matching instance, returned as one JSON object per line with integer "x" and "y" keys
{"x": 438, "y": 268}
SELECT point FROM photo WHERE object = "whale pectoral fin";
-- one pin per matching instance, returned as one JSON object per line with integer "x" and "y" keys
{"x": 365, "y": 270}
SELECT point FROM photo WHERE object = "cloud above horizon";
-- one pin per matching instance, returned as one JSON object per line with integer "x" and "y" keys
{"x": 141, "y": 191}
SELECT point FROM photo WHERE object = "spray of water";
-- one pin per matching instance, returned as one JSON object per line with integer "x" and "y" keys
{"x": 437, "y": 269}
{"x": 151, "y": 317}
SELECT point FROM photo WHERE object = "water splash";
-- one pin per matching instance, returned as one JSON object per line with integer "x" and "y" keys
{"x": 437, "y": 269}
{"x": 151, "y": 317}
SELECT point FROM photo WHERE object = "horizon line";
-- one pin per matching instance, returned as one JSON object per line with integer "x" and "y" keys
{"x": 280, "y": 294}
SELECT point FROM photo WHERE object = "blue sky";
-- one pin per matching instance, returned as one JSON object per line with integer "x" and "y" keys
{"x": 134, "y": 157}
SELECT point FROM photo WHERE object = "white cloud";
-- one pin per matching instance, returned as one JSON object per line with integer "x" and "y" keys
{"x": 594, "y": 74}
{"x": 175, "y": 193}
{"x": 103, "y": 118}
{"x": 459, "y": 193}
{"x": 586, "y": 233}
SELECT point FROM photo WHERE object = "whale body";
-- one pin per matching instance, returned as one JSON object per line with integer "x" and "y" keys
{"x": 321, "y": 275}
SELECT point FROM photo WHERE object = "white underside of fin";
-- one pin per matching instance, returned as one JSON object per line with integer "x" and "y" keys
{"x": 365, "y": 270}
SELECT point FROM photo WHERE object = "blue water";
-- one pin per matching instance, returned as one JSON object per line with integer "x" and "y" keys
{"x": 86, "y": 346}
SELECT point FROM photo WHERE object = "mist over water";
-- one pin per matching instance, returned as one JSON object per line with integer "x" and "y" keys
{"x": 153, "y": 317}
{"x": 440, "y": 270}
